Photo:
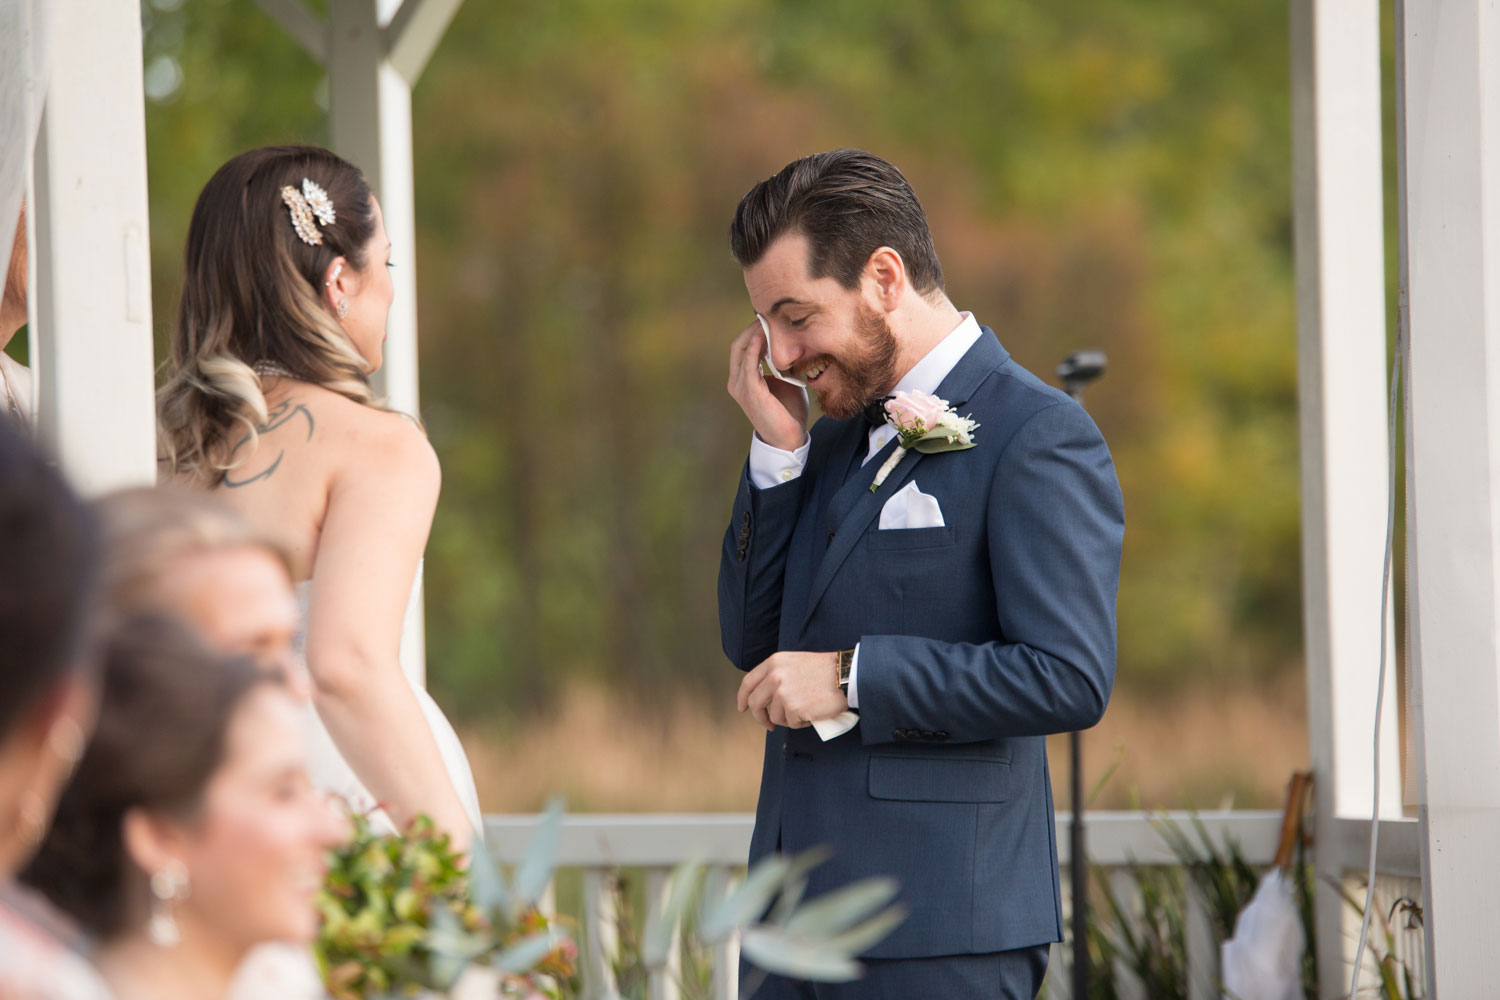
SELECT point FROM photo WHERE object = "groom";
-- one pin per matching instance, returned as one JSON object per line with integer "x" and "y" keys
{"x": 965, "y": 608}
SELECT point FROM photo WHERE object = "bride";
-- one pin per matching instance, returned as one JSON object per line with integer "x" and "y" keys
{"x": 268, "y": 404}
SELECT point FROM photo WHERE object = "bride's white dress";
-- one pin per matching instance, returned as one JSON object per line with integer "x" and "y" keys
{"x": 282, "y": 971}
{"x": 329, "y": 770}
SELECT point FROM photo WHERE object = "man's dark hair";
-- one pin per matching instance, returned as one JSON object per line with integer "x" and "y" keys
{"x": 49, "y": 555}
{"x": 848, "y": 204}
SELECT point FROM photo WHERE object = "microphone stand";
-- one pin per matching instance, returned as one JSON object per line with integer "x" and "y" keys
{"x": 1077, "y": 371}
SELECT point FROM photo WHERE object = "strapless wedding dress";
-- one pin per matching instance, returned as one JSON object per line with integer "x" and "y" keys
{"x": 331, "y": 772}
{"x": 275, "y": 971}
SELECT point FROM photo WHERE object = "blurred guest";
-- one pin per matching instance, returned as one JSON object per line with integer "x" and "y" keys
{"x": 179, "y": 552}
{"x": 15, "y": 378}
{"x": 190, "y": 832}
{"x": 48, "y": 690}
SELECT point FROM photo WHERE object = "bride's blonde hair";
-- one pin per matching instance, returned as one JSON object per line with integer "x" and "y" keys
{"x": 252, "y": 292}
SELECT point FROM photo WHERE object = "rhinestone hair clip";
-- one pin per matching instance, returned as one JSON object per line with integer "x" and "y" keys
{"x": 309, "y": 207}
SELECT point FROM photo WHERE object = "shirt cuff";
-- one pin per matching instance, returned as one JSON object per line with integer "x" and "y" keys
{"x": 854, "y": 679}
{"x": 770, "y": 466}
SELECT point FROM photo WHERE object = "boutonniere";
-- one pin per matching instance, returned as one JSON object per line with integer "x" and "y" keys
{"x": 923, "y": 423}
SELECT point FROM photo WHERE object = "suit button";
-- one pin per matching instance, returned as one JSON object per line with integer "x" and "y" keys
{"x": 830, "y": 537}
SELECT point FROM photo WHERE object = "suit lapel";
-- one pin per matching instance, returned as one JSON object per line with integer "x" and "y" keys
{"x": 808, "y": 543}
{"x": 853, "y": 506}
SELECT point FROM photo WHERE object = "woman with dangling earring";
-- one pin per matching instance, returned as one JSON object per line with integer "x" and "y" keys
{"x": 268, "y": 405}
{"x": 48, "y": 688}
{"x": 189, "y": 833}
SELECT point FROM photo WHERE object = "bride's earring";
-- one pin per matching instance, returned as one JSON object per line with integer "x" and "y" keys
{"x": 169, "y": 886}
{"x": 343, "y": 307}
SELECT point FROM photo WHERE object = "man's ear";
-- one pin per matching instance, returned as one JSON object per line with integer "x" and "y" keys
{"x": 884, "y": 279}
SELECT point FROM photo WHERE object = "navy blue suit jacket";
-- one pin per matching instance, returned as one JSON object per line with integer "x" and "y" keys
{"x": 977, "y": 639}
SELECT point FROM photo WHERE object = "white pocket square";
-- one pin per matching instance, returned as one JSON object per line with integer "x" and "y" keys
{"x": 910, "y": 508}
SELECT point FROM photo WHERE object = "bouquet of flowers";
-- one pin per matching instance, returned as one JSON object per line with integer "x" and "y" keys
{"x": 403, "y": 918}
{"x": 400, "y": 917}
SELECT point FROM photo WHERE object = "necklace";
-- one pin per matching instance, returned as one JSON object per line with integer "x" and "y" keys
{"x": 275, "y": 369}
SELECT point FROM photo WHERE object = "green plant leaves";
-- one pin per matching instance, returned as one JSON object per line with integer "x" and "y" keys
{"x": 842, "y": 908}
{"x": 535, "y": 869}
{"x": 662, "y": 927}
{"x": 772, "y": 949}
{"x": 401, "y": 916}
{"x": 524, "y": 954}
{"x": 747, "y": 902}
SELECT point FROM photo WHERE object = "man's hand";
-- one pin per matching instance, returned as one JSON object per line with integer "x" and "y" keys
{"x": 777, "y": 410}
{"x": 793, "y": 690}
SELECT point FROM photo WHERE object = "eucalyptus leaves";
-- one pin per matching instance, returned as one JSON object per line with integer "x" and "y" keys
{"x": 401, "y": 917}
{"x": 778, "y": 930}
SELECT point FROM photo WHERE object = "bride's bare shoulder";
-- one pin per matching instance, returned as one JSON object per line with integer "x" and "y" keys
{"x": 366, "y": 439}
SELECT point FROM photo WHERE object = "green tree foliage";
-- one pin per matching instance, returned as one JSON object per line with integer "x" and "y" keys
{"x": 1097, "y": 174}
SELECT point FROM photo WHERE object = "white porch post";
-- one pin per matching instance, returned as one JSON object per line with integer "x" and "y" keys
{"x": 1342, "y": 406}
{"x": 375, "y": 50}
{"x": 92, "y": 307}
{"x": 370, "y": 114}
{"x": 1451, "y": 98}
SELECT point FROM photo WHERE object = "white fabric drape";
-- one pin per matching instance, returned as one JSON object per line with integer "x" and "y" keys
{"x": 25, "y": 36}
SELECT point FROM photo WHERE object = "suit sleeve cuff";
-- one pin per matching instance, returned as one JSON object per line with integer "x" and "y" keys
{"x": 771, "y": 466}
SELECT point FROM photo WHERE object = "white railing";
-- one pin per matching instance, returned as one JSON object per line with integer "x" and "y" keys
{"x": 600, "y": 844}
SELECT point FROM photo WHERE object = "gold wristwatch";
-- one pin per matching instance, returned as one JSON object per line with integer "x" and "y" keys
{"x": 843, "y": 664}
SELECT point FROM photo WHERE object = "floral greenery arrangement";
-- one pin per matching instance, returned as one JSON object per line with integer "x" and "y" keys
{"x": 392, "y": 907}
{"x": 403, "y": 917}
{"x": 779, "y": 931}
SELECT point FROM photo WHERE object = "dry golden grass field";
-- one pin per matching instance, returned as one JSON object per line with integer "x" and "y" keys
{"x": 1203, "y": 748}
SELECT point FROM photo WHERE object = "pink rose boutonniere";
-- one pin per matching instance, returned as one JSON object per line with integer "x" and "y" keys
{"x": 923, "y": 423}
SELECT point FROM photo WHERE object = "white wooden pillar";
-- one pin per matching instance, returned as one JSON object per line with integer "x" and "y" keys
{"x": 1449, "y": 55}
{"x": 375, "y": 51}
{"x": 1342, "y": 406}
{"x": 370, "y": 114}
{"x": 91, "y": 261}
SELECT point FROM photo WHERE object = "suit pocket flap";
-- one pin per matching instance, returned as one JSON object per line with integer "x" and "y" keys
{"x": 913, "y": 538}
{"x": 940, "y": 779}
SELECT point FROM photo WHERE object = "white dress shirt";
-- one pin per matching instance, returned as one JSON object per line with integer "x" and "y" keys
{"x": 771, "y": 466}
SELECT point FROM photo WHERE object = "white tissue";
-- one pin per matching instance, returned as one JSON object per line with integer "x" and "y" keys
{"x": 799, "y": 383}
{"x": 836, "y": 726}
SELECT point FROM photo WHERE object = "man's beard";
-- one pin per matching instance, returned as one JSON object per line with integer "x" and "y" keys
{"x": 868, "y": 375}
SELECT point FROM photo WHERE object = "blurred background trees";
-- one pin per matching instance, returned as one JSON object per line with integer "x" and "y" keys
{"x": 1096, "y": 174}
